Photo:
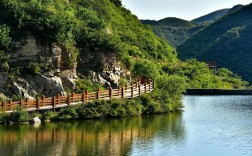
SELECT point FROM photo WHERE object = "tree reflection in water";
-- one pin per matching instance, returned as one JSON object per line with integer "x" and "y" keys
{"x": 89, "y": 137}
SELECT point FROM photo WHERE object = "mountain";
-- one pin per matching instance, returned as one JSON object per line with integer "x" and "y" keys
{"x": 173, "y": 30}
{"x": 235, "y": 8}
{"x": 59, "y": 46}
{"x": 62, "y": 45}
{"x": 213, "y": 16}
{"x": 174, "y": 22}
{"x": 227, "y": 41}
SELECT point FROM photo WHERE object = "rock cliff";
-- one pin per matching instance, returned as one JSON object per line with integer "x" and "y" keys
{"x": 97, "y": 66}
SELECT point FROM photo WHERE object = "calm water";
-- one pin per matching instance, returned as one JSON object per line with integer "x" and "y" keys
{"x": 217, "y": 125}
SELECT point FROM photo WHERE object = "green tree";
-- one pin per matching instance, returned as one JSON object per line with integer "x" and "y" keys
{"x": 4, "y": 37}
{"x": 145, "y": 68}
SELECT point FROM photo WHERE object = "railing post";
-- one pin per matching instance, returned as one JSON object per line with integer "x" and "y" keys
{"x": 83, "y": 97}
{"x": 122, "y": 92}
{"x": 4, "y": 106}
{"x": 132, "y": 90}
{"x": 21, "y": 103}
{"x": 43, "y": 100}
{"x": 68, "y": 100}
{"x": 10, "y": 102}
{"x": 149, "y": 84}
{"x": 59, "y": 98}
{"x": 145, "y": 87}
{"x": 27, "y": 104}
{"x": 139, "y": 91}
{"x": 86, "y": 94}
{"x": 54, "y": 102}
{"x": 73, "y": 94}
{"x": 98, "y": 94}
{"x": 119, "y": 90}
{"x": 37, "y": 103}
{"x": 110, "y": 93}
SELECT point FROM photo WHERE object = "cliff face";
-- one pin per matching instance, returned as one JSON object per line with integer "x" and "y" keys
{"x": 54, "y": 44}
{"x": 101, "y": 68}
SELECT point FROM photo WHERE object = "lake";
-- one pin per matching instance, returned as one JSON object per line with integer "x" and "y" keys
{"x": 208, "y": 125}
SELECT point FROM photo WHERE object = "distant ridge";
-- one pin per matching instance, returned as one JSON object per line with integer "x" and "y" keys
{"x": 235, "y": 8}
{"x": 176, "y": 31}
{"x": 227, "y": 41}
{"x": 173, "y": 30}
{"x": 174, "y": 22}
{"x": 213, "y": 16}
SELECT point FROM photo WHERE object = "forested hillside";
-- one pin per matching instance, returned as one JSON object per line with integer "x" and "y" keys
{"x": 227, "y": 41}
{"x": 173, "y": 30}
{"x": 211, "y": 17}
{"x": 214, "y": 16}
{"x": 85, "y": 45}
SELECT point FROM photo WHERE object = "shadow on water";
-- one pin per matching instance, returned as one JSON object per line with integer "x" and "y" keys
{"x": 89, "y": 137}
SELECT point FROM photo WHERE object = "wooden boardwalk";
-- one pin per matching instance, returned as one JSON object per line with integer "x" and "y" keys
{"x": 73, "y": 99}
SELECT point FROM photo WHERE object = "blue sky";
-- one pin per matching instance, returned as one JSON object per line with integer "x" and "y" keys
{"x": 185, "y": 9}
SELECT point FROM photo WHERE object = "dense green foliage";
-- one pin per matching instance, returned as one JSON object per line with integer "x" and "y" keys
{"x": 4, "y": 37}
{"x": 174, "y": 30}
{"x": 104, "y": 26}
{"x": 198, "y": 75}
{"x": 227, "y": 41}
{"x": 18, "y": 116}
{"x": 99, "y": 25}
{"x": 86, "y": 85}
{"x": 145, "y": 104}
{"x": 145, "y": 68}
{"x": 174, "y": 22}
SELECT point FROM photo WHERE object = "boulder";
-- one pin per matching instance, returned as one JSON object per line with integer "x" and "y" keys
{"x": 49, "y": 86}
{"x": 97, "y": 78}
{"x": 35, "y": 120}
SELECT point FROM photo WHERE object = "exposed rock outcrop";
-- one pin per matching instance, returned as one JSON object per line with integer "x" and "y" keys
{"x": 30, "y": 86}
{"x": 100, "y": 67}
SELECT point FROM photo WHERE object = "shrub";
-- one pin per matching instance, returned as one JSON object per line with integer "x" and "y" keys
{"x": 19, "y": 115}
{"x": 4, "y": 118}
{"x": 150, "y": 105}
{"x": 146, "y": 68}
{"x": 94, "y": 109}
{"x": 48, "y": 115}
{"x": 86, "y": 85}
{"x": 133, "y": 107}
{"x": 117, "y": 109}
{"x": 4, "y": 36}
{"x": 67, "y": 114}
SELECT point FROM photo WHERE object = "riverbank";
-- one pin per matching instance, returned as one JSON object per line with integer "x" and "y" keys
{"x": 92, "y": 110}
{"x": 217, "y": 92}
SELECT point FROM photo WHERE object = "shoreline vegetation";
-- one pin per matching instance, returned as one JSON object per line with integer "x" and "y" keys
{"x": 99, "y": 109}
{"x": 166, "y": 97}
{"x": 97, "y": 28}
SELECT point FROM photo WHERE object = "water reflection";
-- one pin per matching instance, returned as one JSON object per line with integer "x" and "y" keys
{"x": 91, "y": 137}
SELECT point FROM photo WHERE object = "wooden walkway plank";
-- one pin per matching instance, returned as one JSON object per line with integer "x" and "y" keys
{"x": 58, "y": 101}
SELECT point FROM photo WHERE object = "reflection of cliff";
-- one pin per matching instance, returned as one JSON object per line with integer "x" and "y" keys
{"x": 107, "y": 137}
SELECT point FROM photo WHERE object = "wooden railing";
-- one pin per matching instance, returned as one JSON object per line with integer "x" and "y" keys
{"x": 72, "y": 99}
